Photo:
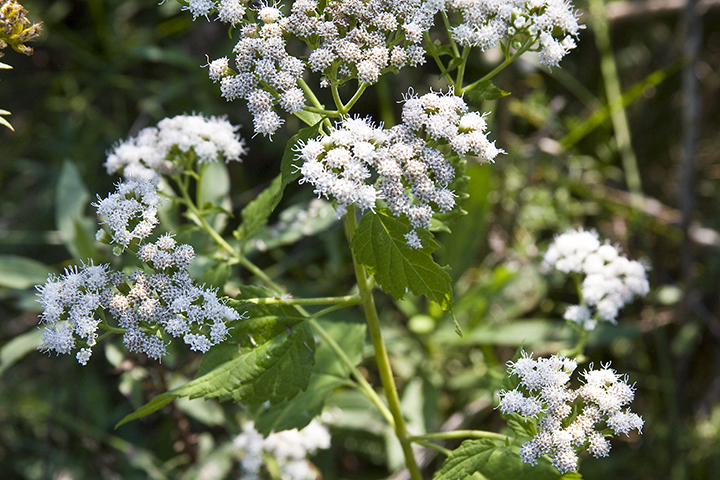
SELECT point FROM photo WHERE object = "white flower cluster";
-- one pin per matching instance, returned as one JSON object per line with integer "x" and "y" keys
{"x": 611, "y": 280}
{"x": 145, "y": 305}
{"x": 289, "y": 448}
{"x": 150, "y": 154}
{"x": 130, "y": 212}
{"x": 562, "y": 432}
{"x": 409, "y": 172}
{"x": 353, "y": 38}
{"x": 362, "y": 38}
{"x": 266, "y": 73}
{"x": 486, "y": 23}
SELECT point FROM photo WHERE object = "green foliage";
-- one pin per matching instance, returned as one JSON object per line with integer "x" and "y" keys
{"x": 465, "y": 460}
{"x": 274, "y": 363}
{"x": 380, "y": 245}
{"x": 76, "y": 230}
{"x": 328, "y": 374}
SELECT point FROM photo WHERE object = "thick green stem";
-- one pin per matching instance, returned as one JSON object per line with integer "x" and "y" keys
{"x": 381, "y": 355}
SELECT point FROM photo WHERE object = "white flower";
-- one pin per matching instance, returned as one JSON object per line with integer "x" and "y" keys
{"x": 148, "y": 156}
{"x": 544, "y": 393}
{"x": 611, "y": 280}
{"x": 289, "y": 448}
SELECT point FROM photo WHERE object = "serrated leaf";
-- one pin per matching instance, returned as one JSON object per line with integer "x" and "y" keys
{"x": 21, "y": 272}
{"x": 274, "y": 371}
{"x": 256, "y": 213}
{"x": 298, "y": 412}
{"x": 506, "y": 464}
{"x": 485, "y": 91}
{"x": 465, "y": 460}
{"x": 328, "y": 374}
{"x": 380, "y": 245}
{"x": 520, "y": 427}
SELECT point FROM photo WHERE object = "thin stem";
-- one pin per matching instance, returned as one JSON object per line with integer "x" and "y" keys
{"x": 443, "y": 450}
{"x": 283, "y": 300}
{"x": 618, "y": 117}
{"x": 460, "y": 434}
{"x": 199, "y": 219}
{"x": 446, "y": 21}
{"x": 499, "y": 68}
{"x": 361, "y": 88}
{"x": 461, "y": 70}
{"x": 362, "y": 384}
{"x": 433, "y": 53}
{"x": 235, "y": 255}
{"x": 381, "y": 355}
{"x": 258, "y": 272}
{"x": 311, "y": 95}
{"x": 336, "y": 97}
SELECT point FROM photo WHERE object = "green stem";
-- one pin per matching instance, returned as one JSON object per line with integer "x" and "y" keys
{"x": 446, "y": 21}
{"x": 199, "y": 219}
{"x": 499, "y": 68}
{"x": 310, "y": 94}
{"x": 258, "y": 272}
{"x": 361, "y": 88}
{"x": 433, "y": 53}
{"x": 618, "y": 118}
{"x": 381, "y": 355}
{"x": 443, "y": 450}
{"x": 362, "y": 384}
{"x": 461, "y": 70}
{"x": 345, "y": 301}
{"x": 460, "y": 434}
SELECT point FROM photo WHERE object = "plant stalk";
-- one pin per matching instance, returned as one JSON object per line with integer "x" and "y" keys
{"x": 381, "y": 355}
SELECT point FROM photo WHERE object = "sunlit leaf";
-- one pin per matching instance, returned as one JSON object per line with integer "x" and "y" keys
{"x": 380, "y": 245}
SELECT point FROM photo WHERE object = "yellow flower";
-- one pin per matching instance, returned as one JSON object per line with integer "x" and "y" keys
{"x": 15, "y": 28}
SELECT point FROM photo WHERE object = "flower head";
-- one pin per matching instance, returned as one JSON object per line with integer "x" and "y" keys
{"x": 610, "y": 280}
{"x": 568, "y": 421}
{"x": 156, "y": 151}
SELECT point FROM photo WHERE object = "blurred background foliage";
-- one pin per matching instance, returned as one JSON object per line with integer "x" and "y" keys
{"x": 104, "y": 69}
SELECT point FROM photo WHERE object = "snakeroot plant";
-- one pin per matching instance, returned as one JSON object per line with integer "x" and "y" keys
{"x": 177, "y": 254}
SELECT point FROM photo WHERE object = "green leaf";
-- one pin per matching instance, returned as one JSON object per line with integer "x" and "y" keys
{"x": 77, "y": 231}
{"x": 215, "y": 194}
{"x": 465, "y": 460}
{"x": 295, "y": 222}
{"x": 275, "y": 370}
{"x": 290, "y": 166}
{"x": 380, "y": 245}
{"x": 505, "y": 464}
{"x": 485, "y": 91}
{"x": 298, "y": 412}
{"x": 329, "y": 373}
{"x": 18, "y": 347}
{"x": 256, "y": 213}
{"x": 521, "y": 427}
{"x": 496, "y": 463}
{"x": 454, "y": 63}
{"x": 20, "y": 272}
